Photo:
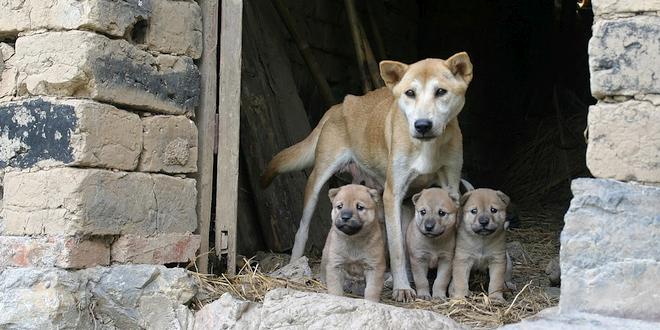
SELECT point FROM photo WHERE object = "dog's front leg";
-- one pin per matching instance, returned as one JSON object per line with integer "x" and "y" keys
{"x": 496, "y": 270}
{"x": 420, "y": 271}
{"x": 335, "y": 279}
{"x": 460, "y": 277}
{"x": 392, "y": 199}
{"x": 375, "y": 278}
{"x": 442, "y": 279}
{"x": 450, "y": 179}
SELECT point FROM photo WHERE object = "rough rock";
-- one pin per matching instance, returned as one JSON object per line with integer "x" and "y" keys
{"x": 158, "y": 249}
{"x": 622, "y": 144}
{"x": 89, "y": 65}
{"x": 170, "y": 145}
{"x": 609, "y": 259}
{"x": 296, "y": 271}
{"x": 49, "y": 131}
{"x": 604, "y": 7}
{"x": 228, "y": 313}
{"x": 52, "y": 251}
{"x": 123, "y": 297}
{"x": 7, "y": 71}
{"x": 551, "y": 319}
{"x": 553, "y": 271}
{"x": 76, "y": 201}
{"x": 624, "y": 55}
{"x": 149, "y": 23}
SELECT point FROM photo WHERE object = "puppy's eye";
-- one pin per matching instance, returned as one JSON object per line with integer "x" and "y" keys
{"x": 493, "y": 210}
{"x": 340, "y": 206}
{"x": 359, "y": 207}
{"x": 473, "y": 211}
{"x": 442, "y": 213}
{"x": 410, "y": 93}
{"x": 422, "y": 212}
{"x": 440, "y": 92}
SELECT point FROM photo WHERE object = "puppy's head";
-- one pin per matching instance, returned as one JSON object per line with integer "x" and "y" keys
{"x": 484, "y": 211}
{"x": 354, "y": 207}
{"x": 435, "y": 212}
{"x": 430, "y": 92}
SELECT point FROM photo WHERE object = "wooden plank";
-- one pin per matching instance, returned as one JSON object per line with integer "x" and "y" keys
{"x": 208, "y": 66}
{"x": 229, "y": 91}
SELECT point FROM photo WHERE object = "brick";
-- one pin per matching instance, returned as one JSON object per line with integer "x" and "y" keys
{"x": 77, "y": 201}
{"x": 158, "y": 249}
{"x": 609, "y": 259}
{"x": 170, "y": 145}
{"x": 144, "y": 22}
{"x": 605, "y": 7}
{"x": 52, "y": 251}
{"x": 624, "y": 141}
{"x": 624, "y": 56}
{"x": 47, "y": 131}
{"x": 89, "y": 65}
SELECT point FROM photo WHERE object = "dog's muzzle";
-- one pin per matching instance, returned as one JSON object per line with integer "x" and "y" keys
{"x": 350, "y": 227}
{"x": 483, "y": 231}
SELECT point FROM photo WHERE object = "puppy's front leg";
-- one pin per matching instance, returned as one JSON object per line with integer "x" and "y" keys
{"x": 375, "y": 278}
{"x": 334, "y": 275}
{"x": 392, "y": 201}
{"x": 460, "y": 277}
{"x": 442, "y": 279}
{"x": 420, "y": 271}
{"x": 496, "y": 270}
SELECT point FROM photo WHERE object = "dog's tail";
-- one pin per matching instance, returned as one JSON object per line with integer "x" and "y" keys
{"x": 294, "y": 158}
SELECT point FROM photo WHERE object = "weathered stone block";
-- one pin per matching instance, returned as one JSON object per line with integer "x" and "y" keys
{"x": 604, "y": 7}
{"x": 170, "y": 145}
{"x": 158, "y": 249}
{"x": 146, "y": 22}
{"x": 624, "y": 56}
{"x": 624, "y": 141}
{"x": 228, "y": 313}
{"x": 75, "y": 201}
{"x": 551, "y": 319}
{"x": 609, "y": 245}
{"x": 89, "y": 65}
{"x": 48, "y": 131}
{"x": 52, "y": 251}
{"x": 7, "y": 71}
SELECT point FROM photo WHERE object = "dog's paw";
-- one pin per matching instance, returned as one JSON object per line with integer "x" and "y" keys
{"x": 439, "y": 296}
{"x": 424, "y": 295}
{"x": 510, "y": 285}
{"x": 496, "y": 298}
{"x": 403, "y": 295}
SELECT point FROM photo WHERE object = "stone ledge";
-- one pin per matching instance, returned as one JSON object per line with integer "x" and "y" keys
{"x": 53, "y": 251}
{"x": 551, "y": 319}
{"x": 159, "y": 249}
{"x": 605, "y": 7}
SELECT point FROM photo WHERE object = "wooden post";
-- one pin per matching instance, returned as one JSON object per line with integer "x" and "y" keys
{"x": 229, "y": 91}
{"x": 354, "y": 23}
{"x": 206, "y": 128}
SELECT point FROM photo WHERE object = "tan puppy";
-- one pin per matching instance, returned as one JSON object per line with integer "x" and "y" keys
{"x": 355, "y": 246}
{"x": 481, "y": 242}
{"x": 405, "y": 136}
{"x": 431, "y": 239}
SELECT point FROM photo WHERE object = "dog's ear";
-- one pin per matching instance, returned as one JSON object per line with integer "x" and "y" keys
{"x": 392, "y": 72}
{"x": 332, "y": 193}
{"x": 503, "y": 197}
{"x": 460, "y": 65}
{"x": 416, "y": 197}
{"x": 464, "y": 198}
{"x": 375, "y": 195}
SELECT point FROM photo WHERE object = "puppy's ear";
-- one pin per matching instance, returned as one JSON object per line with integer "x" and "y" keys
{"x": 503, "y": 197}
{"x": 464, "y": 198}
{"x": 416, "y": 197}
{"x": 460, "y": 65}
{"x": 375, "y": 195}
{"x": 392, "y": 72}
{"x": 332, "y": 193}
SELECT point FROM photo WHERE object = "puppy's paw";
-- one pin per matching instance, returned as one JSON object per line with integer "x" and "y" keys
{"x": 424, "y": 295}
{"x": 497, "y": 298}
{"x": 439, "y": 296}
{"x": 403, "y": 295}
{"x": 510, "y": 285}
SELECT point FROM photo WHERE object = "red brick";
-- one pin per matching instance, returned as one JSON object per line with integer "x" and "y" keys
{"x": 52, "y": 251}
{"x": 158, "y": 249}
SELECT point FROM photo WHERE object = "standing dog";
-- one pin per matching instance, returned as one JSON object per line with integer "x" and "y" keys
{"x": 481, "y": 242}
{"x": 431, "y": 239}
{"x": 405, "y": 135}
{"x": 355, "y": 246}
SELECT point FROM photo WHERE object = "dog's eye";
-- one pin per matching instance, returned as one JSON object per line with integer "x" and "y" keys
{"x": 493, "y": 210}
{"x": 442, "y": 213}
{"x": 473, "y": 211}
{"x": 359, "y": 207}
{"x": 422, "y": 212}
{"x": 410, "y": 93}
{"x": 340, "y": 206}
{"x": 440, "y": 92}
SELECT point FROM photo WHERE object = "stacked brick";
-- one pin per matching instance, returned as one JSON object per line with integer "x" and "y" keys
{"x": 96, "y": 140}
{"x": 609, "y": 242}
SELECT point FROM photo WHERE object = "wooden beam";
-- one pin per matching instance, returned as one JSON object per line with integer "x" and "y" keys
{"x": 208, "y": 66}
{"x": 229, "y": 91}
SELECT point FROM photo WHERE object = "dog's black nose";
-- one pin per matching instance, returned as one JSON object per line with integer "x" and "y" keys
{"x": 483, "y": 220}
{"x": 428, "y": 225}
{"x": 423, "y": 125}
{"x": 346, "y": 215}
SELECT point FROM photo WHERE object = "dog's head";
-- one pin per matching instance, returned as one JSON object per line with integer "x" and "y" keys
{"x": 354, "y": 207}
{"x": 430, "y": 92}
{"x": 484, "y": 211}
{"x": 435, "y": 212}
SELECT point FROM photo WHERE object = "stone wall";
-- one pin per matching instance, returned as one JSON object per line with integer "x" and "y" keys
{"x": 96, "y": 148}
{"x": 609, "y": 245}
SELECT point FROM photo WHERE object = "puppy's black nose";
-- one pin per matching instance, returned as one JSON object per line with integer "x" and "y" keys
{"x": 429, "y": 225}
{"x": 346, "y": 215}
{"x": 423, "y": 125}
{"x": 483, "y": 220}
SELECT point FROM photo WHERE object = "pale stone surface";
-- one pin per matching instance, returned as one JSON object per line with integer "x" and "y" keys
{"x": 551, "y": 319}
{"x": 624, "y": 141}
{"x": 160, "y": 25}
{"x": 158, "y": 249}
{"x": 624, "y": 56}
{"x": 75, "y": 201}
{"x": 53, "y": 251}
{"x": 609, "y": 245}
{"x": 117, "y": 297}
{"x": 49, "y": 131}
{"x": 296, "y": 271}
{"x": 603, "y": 7}
{"x": 170, "y": 145}
{"x": 89, "y": 65}
{"x": 228, "y": 313}
{"x": 7, "y": 71}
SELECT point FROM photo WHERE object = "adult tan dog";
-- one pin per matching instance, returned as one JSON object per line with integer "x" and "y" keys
{"x": 481, "y": 242}
{"x": 355, "y": 246}
{"x": 405, "y": 136}
{"x": 431, "y": 239}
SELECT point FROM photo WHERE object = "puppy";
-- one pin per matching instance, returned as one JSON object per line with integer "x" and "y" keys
{"x": 480, "y": 242}
{"x": 355, "y": 246}
{"x": 431, "y": 240}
